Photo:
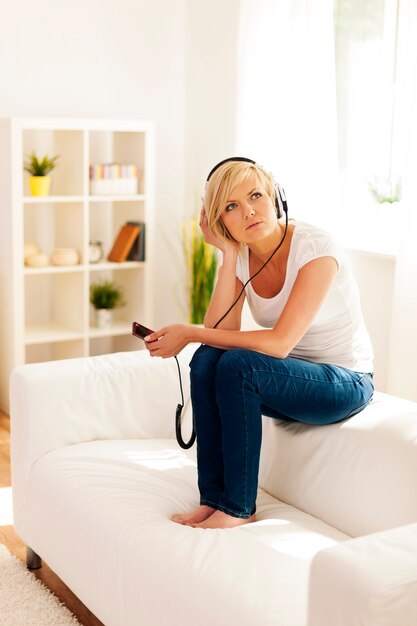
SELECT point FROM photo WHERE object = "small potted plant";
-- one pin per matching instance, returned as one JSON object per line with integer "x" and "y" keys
{"x": 105, "y": 296}
{"x": 40, "y": 181}
{"x": 385, "y": 191}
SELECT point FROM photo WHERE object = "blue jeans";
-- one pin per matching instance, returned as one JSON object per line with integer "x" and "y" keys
{"x": 232, "y": 389}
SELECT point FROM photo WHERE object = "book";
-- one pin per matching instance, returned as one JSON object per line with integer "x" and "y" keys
{"x": 137, "y": 251}
{"x": 123, "y": 243}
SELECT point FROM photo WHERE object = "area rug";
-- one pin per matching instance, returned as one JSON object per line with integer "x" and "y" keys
{"x": 24, "y": 600}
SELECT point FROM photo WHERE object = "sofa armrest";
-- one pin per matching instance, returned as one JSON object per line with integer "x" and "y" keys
{"x": 367, "y": 581}
{"x": 115, "y": 396}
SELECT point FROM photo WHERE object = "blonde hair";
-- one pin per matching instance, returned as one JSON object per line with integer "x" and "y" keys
{"x": 220, "y": 186}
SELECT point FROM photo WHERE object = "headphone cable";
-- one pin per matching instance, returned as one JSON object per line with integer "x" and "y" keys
{"x": 256, "y": 273}
{"x": 178, "y": 413}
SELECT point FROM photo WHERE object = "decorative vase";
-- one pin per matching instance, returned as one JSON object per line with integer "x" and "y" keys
{"x": 65, "y": 256}
{"x": 104, "y": 318}
{"x": 37, "y": 260}
{"x": 31, "y": 247}
{"x": 39, "y": 185}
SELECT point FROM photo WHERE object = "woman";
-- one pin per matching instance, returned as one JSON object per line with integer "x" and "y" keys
{"x": 311, "y": 362}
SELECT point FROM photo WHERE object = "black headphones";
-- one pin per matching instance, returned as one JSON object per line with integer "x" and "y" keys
{"x": 280, "y": 198}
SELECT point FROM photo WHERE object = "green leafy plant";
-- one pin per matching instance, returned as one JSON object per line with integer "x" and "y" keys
{"x": 40, "y": 167}
{"x": 385, "y": 190}
{"x": 201, "y": 261}
{"x": 105, "y": 294}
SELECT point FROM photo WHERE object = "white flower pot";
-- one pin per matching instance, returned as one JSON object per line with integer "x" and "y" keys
{"x": 104, "y": 318}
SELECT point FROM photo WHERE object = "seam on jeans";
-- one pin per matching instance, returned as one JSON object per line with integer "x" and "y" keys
{"x": 315, "y": 380}
{"x": 350, "y": 382}
{"x": 246, "y": 446}
{"x": 359, "y": 408}
{"x": 223, "y": 508}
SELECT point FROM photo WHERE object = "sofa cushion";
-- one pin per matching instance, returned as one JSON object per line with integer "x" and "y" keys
{"x": 358, "y": 475}
{"x": 105, "y": 507}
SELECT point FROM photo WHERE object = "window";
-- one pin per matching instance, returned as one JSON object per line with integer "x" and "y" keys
{"x": 365, "y": 53}
{"x": 326, "y": 95}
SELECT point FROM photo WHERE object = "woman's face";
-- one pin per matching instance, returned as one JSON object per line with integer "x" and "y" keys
{"x": 249, "y": 214}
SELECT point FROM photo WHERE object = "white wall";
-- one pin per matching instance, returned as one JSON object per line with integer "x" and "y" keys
{"x": 116, "y": 59}
{"x": 211, "y": 66}
{"x": 210, "y": 101}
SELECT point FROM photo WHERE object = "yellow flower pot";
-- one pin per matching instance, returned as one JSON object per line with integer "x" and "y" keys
{"x": 39, "y": 185}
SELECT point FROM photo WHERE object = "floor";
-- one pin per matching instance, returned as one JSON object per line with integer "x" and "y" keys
{"x": 9, "y": 538}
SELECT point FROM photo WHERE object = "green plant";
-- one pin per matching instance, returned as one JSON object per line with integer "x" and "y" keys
{"x": 201, "y": 261}
{"x": 385, "y": 190}
{"x": 105, "y": 294}
{"x": 37, "y": 167}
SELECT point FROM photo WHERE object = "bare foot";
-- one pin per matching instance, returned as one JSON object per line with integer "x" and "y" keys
{"x": 194, "y": 517}
{"x": 221, "y": 520}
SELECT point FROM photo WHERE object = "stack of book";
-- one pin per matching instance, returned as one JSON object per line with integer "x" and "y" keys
{"x": 129, "y": 244}
{"x": 113, "y": 179}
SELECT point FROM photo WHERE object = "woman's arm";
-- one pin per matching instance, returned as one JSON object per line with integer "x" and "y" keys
{"x": 227, "y": 286}
{"x": 307, "y": 295}
{"x": 227, "y": 289}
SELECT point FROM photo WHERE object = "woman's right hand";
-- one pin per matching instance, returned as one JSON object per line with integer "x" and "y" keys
{"x": 209, "y": 237}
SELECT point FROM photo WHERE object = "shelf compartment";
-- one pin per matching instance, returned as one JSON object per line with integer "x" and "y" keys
{"x": 52, "y": 351}
{"x": 121, "y": 325}
{"x": 107, "y": 218}
{"x": 68, "y": 175}
{"x": 118, "y": 328}
{"x": 133, "y": 286}
{"x": 108, "y": 345}
{"x": 54, "y": 309}
{"x": 50, "y": 334}
{"x": 119, "y": 147}
{"x": 53, "y": 226}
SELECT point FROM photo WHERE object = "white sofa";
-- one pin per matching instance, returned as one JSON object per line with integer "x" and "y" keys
{"x": 97, "y": 474}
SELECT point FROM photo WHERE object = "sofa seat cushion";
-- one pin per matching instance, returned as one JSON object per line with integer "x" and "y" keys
{"x": 357, "y": 475}
{"x": 100, "y": 517}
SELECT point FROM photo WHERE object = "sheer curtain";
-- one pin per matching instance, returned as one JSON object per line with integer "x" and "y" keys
{"x": 402, "y": 371}
{"x": 286, "y": 101}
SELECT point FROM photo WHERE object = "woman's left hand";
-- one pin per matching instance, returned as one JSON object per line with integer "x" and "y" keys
{"x": 170, "y": 340}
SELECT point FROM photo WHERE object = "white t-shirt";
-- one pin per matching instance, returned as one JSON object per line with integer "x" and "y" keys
{"x": 338, "y": 334}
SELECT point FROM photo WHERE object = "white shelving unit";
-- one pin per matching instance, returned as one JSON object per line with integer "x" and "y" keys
{"x": 45, "y": 313}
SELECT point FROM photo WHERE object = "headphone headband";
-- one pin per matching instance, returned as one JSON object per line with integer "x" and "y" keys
{"x": 216, "y": 167}
{"x": 280, "y": 198}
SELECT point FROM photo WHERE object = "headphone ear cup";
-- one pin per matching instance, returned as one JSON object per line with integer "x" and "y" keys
{"x": 278, "y": 205}
{"x": 280, "y": 201}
